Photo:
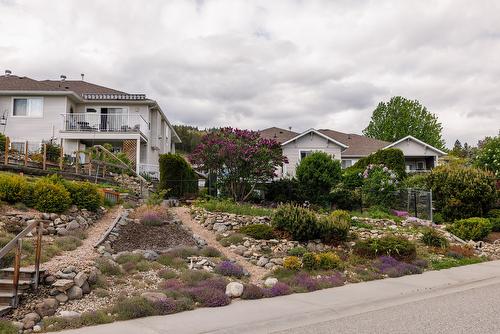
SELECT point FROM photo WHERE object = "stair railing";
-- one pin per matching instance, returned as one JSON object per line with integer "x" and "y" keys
{"x": 16, "y": 243}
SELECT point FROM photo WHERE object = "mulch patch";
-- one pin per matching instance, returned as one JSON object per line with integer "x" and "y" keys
{"x": 138, "y": 236}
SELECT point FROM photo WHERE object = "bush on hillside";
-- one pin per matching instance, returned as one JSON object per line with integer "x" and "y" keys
{"x": 346, "y": 195}
{"x": 177, "y": 176}
{"x": 258, "y": 231}
{"x": 50, "y": 197}
{"x": 431, "y": 237}
{"x": 335, "y": 226}
{"x": 317, "y": 174}
{"x": 379, "y": 186}
{"x": 300, "y": 222}
{"x": 462, "y": 192}
{"x": 85, "y": 195}
{"x": 13, "y": 188}
{"x": 393, "y": 158}
{"x": 397, "y": 247}
{"x": 471, "y": 229}
{"x": 283, "y": 190}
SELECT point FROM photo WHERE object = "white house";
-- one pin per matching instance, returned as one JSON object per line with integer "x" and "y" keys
{"x": 348, "y": 148}
{"x": 81, "y": 114}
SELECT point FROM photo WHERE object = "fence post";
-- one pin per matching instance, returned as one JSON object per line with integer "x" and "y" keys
{"x": 7, "y": 143}
{"x": 17, "y": 268}
{"x": 430, "y": 206}
{"x": 77, "y": 162}
{"x": 90, "y": 164}
{"x": 61, "y": 158}
{"x": 38, "y": 254}
{"x": 415, "y": 203}
{"x": 26, "y": 152}
{"x": 44, "y": 161}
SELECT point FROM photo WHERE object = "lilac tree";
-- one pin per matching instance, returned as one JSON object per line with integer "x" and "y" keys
{"x": 241, "y": 159}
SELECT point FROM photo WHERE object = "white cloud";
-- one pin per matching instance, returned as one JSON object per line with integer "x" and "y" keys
{"x": 315, "y": 63}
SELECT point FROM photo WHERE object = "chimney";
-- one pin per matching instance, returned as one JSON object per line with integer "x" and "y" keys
{"x": 83, "y": 75}
{"x": 8, "y": 73}
{"x": 290, "y": 128}
{"x": 63, "y": 77}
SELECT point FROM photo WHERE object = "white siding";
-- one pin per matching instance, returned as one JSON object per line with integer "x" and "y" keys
{"x": 309, "y": 142}
{"x": 411, "y": 148}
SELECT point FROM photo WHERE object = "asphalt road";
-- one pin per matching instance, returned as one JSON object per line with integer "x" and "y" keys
{"x": 472, "y": 311}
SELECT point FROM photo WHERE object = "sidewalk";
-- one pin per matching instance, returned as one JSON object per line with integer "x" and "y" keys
{"x": 281, "y": 313}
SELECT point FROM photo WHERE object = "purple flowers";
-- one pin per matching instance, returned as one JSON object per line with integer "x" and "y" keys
{"x": 165, "y": 306}
{"x": 228, "y": 268}
{"x": 279, "y": 289}
{"x": 172, "y": 284}
{"x": 152, "y": 218}
{"x": 209, "y": 297}
{"x": 391, "y": 267}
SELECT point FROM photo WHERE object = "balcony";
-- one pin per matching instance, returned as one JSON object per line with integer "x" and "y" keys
{"x": 105, "y": 123}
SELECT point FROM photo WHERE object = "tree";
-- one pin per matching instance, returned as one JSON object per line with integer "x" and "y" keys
{"x": 317, "y": 174}
{"x": 177, "y": 177}
{"x": 241, "y": 159}
{"x": 401, "y": 117}
{"x": 392, "y": 158}
{"x": 488, "y": 155}
{"x": 190, "y": 137}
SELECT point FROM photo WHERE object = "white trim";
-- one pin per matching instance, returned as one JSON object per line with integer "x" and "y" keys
{"x": 316, "y": 132}
{"x": 416, "y": 140}
{"x": 312, "y": 150}
{"x": 27, "y": 110}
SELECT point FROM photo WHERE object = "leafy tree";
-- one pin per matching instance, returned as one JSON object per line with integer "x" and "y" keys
{"x": 190, "y": 137}
{"x": 401, "y": 117}
{"x": 393, "y": 158}
{"x": 317, "y": 174}
{"x": 240, "y": 159}
{"x": 488, "y": 156}
{"x": 177, "y": 178}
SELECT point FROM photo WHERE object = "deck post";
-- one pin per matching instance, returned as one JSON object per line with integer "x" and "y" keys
{"x": 61, "y": 158}
{"x": 26, "y": 152}
{"x": 38, "y": 253}
{"x": 17, "y": 268}
{"x": 44, "y": 161}
{"x": 7, "y": 144}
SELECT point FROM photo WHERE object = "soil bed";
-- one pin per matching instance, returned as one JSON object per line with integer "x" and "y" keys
{"x": 157, "y": 238}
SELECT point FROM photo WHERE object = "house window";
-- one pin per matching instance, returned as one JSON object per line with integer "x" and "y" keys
{"x": 420, "y": 165}
{"x": 17, "y": 146}
{"x": 91, "y": 110}
{"x": 304, "y": 154}
{"x": 28, "y": 107}
{"x": 346, "y": 163}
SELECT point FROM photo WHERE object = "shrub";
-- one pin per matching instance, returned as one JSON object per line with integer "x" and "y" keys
{"x": 297, "y": 251}
{"x": 13, "y": 227}
{"x": 108, "y": 268}
{"x": 398, "y": 247}
{"x": 50, "y": 197}
{"x": 85, "y": 195}
{"x": 210, "y": 297}
{"x": 252, "y": 291}
{"x": 346, "y": 198}
{"x": 279, "y": 289}
{"x": 300, "y": 222}
{"x": 292, "y": 263}
{"x": 310, "y": 261}
{"x": 416, "y": 181}
{"x": 172, "y": 284}
{"x": 393, "y": 158}
{"x": 459, "y": 252}
{"x": 283, "y": 191}
{"x": 228, "y": 268}
{"x": 391, "y": 267}
{"x": 471, "y": 228}
{"x": 317, "y": 174}
{"x": 7, "y": 327}
{"x": 233, "y": 239}
{"x": 379, "y": 185}
{"x": 171, "y": 261}
{"x": 217, "y": 283}
{"x": 152, "y": 218}
{"x": 13, "y": 188}
{"x": 433, "y": 238}
{"x": 68, "y": 243}
{"x": 488, "y": 155}
{"x": 258, "y": 231}
{"x": 164, "y": 306}
{"x": 225, "y": 205}
{"x": 134, "y": 307}
{"x": 193, "y": 277}
{"x": 329, "y": 260}
{"x": 210, "y": 251}
{"x": 335, "y": 226}
{"x": 305, "y": 283}
{"x": 462, "y": 192}
{"x": 330, "y": 281}
{"x": 494, "y": 216}
{"x": 177, "y": 176}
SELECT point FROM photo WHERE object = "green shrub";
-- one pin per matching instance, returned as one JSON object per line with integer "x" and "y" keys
{"x": 258, "y": 231}
{"x": 494, "y": 216}
{"x": 297, "y": 251}
{"x": 433, "y": 238}
{"x": 6, "y": 327}
{"x": 393, "y": 158}
{"x": 398, "y": 247}
{"x": 233, "y": 239}
{"x": 345, "y": 198}
{"x": 68, "y": 243}
{"x": 471, "y": 228}
{"x": 335, "y": 226}
{"x": 210, "y": 251}
{"x": 283, "y": 190}
{"x": 379, "y": 186}
{"x": 108, "y": 268}
{"x": 329, "y": 260}
{"x": 50, "y": 197}
{"x": 13, "y": 188}
{"x": 177, "y": 176}
{"x": 172, "y": 261}
{"x": 300, "y": 222}
{"x": 437, "y": 218}
{"x": 317, "y": 174}
{"x": 310, "y": 261}
{"x": 229, "y": 206}
{"x": 134, "y": 307}
{"x": 416, "y": 181}
{"x": 462, "y": 192}
{"x": 292, "y": 263}
{"x": 85, "y": 195}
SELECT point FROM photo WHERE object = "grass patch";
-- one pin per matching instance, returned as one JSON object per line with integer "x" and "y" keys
{"x": 233, "y": 239}
{"x": 172, "y": 261}
{"x": 132, "y": 308}
{"x": 68, "y": 243}
{"x": 108, "y": 268}
{"x": 224, "y": 205}
{"x": 6, "y": 327}
{"x": 52, "y": 324}
{"x": 448, "y": 262}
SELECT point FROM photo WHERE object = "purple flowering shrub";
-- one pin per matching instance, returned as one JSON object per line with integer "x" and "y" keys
{"x": 165, "y": 306}
{"x": 209, "y": 297}
{"x": 279, "y": 289}
{"x": 152, "y": 218}
{"x": 228, "y": 268}
{"x": 172, "y": 284}
{"x": 252, "y": 291}
{"x": 391, "y": 267}
{"x": 217, "y": 283}
{"x": 330, "y": 281}
{"x": 303, "y": 282}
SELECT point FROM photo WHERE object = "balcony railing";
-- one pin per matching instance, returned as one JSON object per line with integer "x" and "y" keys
{"x": 96, "y": 122}
{"x": 152, "y": 171}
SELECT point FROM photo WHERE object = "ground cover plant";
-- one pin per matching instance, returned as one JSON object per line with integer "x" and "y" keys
{"x": 471, "y": 228}
{"x": 224, "y": 205}
{"x": 258, "y": 231}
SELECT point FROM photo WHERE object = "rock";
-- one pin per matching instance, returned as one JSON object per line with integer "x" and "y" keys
{"x": 30, "y": 320}
{"x": 220, "y": 227}
{"x": 93, "y": 276}
{"x": 80, "y": 278}
{"x": 18, "y": 324}
{"x": 46, "y": 216}
{"x": 62, "y": 231}
{"x": 69, "y": 314}
{"x": 28, "y": 324}
{"x": 240, "y": 249}
{"x": 75, "y": 292}
{"x": 37, "y": 328}
{"x": 234, "y": 289}
{"x": 262, "y": 261}
{"x": 69, "y": 269}
{"x": 47, "y": 307}
{"x": 85, "y": 287}
{"x": 153, "y": 296}
{"x": 73, "y": 225}
{"x": 73, "y": 209}
{"x": 269, "y": 265}
{"x": 62, "y": 298}
{"x": 62, "y": 275}
{"x": 63, "y": 284}
{"x": 150, "y": 255}
{"x": 270, "y": 282}
{"x": 50, "y": 279}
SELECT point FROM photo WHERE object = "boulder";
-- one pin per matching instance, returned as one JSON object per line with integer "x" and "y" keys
{"x": 270, "y": 282}
{"x": 50, "y": 279}
{"x": 93, "y": 276}
{"x": 153, "y": 296}
{"x": 262, "y": 261}
{"x": 85, "y": 287}
{"x": 62, "y": 231}
{"x": 234, "y": 289}
{"x": 69, "y": 269}
{"x": 69, "y": 314}
{"x": 220, "y": 227}
{"x": 150, "y": 255}
{"x": 63, "y": 284}
{"x": 80, "y": 278}
{"x": 75, "y": 292}
{"x": 73, "y": 225}
{"x": 47, "y": 307}
{"x": 62, "y": 298}
{"x": 30, "y": 320}
{"x": 37, "y": 329}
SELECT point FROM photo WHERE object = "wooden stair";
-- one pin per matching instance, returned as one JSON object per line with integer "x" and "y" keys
{"x": 7, "y": 295}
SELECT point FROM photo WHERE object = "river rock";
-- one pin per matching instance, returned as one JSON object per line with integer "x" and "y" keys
{"x": 234, "y": 289}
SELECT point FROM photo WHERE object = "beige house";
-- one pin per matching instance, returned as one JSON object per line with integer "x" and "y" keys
{"x": 348, "y": 148}
{"x": 80, "y": 114}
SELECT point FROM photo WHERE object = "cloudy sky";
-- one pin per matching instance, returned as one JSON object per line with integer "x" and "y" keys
{"x": 254, "y": 64}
